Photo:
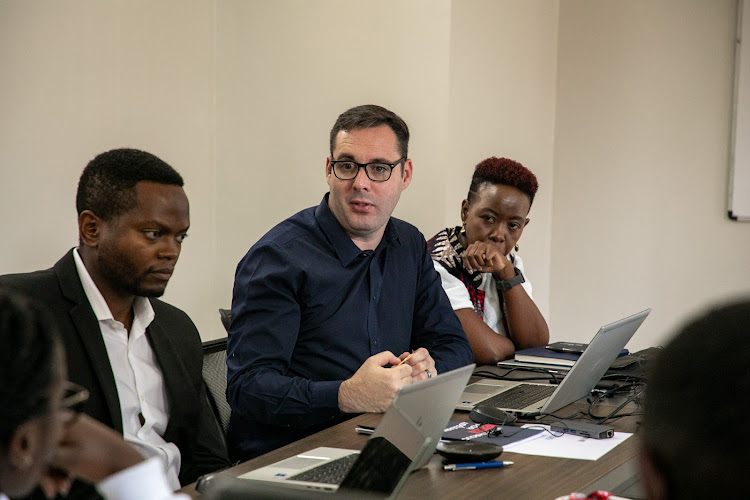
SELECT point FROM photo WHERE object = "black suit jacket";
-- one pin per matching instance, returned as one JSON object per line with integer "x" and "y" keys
{"x": 177, "y": 348}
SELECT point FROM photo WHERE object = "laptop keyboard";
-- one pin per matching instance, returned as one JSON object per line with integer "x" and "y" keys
{"x": 520, "y": 396}
{"x": 332, "y": 472}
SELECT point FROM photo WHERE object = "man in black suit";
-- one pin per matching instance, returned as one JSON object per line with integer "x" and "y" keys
{"x": 140, "y": 358}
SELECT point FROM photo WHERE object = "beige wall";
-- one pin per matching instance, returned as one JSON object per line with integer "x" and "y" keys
{"x": 620, "y": 108}
{"x": 640, "y": 167}
{"x": 81, "y": 77}
{"x": 502, "y": 103}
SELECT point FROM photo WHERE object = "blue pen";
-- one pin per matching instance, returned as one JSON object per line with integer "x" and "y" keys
{"x": 476, "y": 465}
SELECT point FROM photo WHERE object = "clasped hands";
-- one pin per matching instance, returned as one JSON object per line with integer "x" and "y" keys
{"x": 488, "y": 258}
{"x": 374, "y": 385}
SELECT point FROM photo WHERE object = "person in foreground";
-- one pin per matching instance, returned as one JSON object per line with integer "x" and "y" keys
{"x": 481, "y": 273}
{"x": 140, "y": 358}
{"x": 329, "y": 302}
{"x": 42, "y": 440}
{"x": 694, "y": 441}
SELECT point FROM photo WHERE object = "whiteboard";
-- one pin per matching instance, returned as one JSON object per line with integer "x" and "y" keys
{"x": 739, "y": 153}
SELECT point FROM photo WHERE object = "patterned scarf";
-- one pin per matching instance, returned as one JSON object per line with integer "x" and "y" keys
{"x": 445, "y": 248}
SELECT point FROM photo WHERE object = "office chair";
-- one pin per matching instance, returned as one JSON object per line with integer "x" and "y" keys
{"x": 215, "y": 377}
{"x": 226, "y": 318}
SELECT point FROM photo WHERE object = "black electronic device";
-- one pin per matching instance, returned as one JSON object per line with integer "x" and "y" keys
{"x": 584, "y": 429}
{"x": 487, "y": 414}
{"x": 457, "y": 452}
{"x": 570, "y": 347}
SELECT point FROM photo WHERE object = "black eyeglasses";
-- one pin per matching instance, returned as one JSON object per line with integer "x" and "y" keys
{"x": 377, "y": 171}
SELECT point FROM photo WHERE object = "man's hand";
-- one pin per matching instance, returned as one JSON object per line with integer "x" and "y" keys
{"x": 373, "y": 387}
{"x": 88, "y": 450}
{"x": 488, "y": 258}
{"x": 422, "y": 364}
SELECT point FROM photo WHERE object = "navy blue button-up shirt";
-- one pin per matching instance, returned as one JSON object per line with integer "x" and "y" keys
{"x": 309, "y": 307}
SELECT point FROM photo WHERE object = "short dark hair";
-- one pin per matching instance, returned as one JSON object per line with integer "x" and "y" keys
{"x": 107, "y": 184}
{"x": 503, "y": 171}
{"x": 370, "y": 116}
{"x": 28, "y": 345}
{"x": 697, "y": 404}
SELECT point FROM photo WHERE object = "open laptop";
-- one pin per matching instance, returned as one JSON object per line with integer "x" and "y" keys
{"x": 403, "y": 441}
{"x": 530, "y": 399}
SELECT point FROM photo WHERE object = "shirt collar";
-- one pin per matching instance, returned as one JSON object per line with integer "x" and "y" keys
{"x": 143, "y": 313}
{"x": 345, "y": 248}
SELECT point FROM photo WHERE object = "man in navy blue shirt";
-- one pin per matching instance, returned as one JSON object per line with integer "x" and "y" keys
{"x": 329, "y": 302}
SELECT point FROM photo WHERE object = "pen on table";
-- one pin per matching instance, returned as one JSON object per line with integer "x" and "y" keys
{"x": 405, "y": 359}
{"x": 477, "y": 465}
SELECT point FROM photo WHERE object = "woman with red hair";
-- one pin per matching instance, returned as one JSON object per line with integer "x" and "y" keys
{"x": 480, "y": 268}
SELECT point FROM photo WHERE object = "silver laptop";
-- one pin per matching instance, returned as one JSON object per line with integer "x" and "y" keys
{"x": 530, "y": 399}
{"x": 403, "y": 441}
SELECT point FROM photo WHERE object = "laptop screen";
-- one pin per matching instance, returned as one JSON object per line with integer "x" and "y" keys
{"x": 379, "y": 468}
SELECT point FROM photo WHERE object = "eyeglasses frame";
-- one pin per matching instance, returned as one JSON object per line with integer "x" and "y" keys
{"x": 365, "y": 165}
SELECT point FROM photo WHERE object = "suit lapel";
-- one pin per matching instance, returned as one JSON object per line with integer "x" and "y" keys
{"x": 180, "y": 392}
{"x": 87, "y": 326}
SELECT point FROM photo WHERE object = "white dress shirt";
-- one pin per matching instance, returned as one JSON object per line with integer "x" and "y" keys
{"x": 140, "y": 383}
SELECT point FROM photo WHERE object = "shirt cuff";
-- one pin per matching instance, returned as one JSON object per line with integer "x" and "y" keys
{"x": 143, "y": 480}
{"x": 325, "y": 394}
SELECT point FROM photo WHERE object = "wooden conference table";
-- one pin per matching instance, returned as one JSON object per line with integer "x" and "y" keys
{"x": 531, "y": 477}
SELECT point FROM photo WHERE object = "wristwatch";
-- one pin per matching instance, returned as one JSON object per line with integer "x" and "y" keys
{"x": 504, "y": 285}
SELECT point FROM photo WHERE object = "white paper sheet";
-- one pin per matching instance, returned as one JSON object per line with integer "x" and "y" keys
{"x": 567, "y": 445}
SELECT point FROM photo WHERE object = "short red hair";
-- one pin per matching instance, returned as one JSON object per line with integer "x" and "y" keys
{"x": 503, "y": 171}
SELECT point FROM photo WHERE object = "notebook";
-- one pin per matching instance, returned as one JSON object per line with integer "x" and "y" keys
{"x": 403, "y": 441}
{"x": 530, "y": 399}
{"x": 543, "y": 356}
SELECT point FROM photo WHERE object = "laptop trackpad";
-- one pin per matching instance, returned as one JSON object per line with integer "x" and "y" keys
{"x": 479, "y": 388}
{"x": 300, "y": 462}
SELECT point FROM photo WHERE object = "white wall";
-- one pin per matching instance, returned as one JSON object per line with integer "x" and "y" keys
{"x": 640, "y": 167}
{"x": 80, "y": 77}
{"x": 620, "y": 108}
{"x": 502, "y": 103}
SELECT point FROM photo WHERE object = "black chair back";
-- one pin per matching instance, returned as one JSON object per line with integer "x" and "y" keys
{"x": 215, "y": 377}
{"x": 226, "y": 318}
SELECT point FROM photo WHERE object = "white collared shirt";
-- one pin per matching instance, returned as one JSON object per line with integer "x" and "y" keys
{"x": 140, "y": 383}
